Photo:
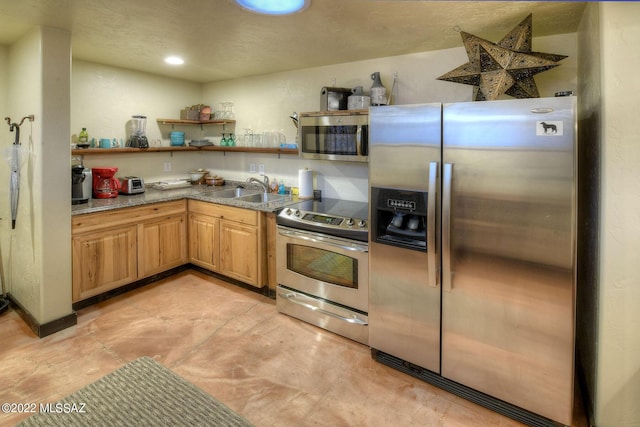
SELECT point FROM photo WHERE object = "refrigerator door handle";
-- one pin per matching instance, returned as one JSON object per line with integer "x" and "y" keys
{"x": 431, "y": 225}
{"x": 447, "y": 173}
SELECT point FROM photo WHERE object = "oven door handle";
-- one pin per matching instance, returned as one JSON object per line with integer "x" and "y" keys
{"x": 291, "y": 297}
{"x": 322, "y": 240}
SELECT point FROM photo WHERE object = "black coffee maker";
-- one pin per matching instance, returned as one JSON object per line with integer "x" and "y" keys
{"x": 81, "y": 184}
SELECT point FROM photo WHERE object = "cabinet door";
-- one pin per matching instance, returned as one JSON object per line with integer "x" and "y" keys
{"x": 103, "y": 260}
{"x": 162, "y": 244}
{"x": 239, "y": 254}
{"x": 203, "y": 241}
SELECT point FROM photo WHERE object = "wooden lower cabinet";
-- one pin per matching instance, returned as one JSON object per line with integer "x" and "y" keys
{"x": 103, "y": 260}
{"x": 204, "y": 231}
{"x": 228, "y": 240}
{"x": 271, "y": 230}
{"x": 239, "y": 252}
{"x": 162, "y": 244}
{"x": 117, "y": 247}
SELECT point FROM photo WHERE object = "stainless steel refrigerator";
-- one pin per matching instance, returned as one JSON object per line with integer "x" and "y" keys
{"x": 472, "y": 250}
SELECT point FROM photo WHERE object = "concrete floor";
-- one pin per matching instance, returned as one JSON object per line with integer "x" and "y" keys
{"x": 232, "y": 343}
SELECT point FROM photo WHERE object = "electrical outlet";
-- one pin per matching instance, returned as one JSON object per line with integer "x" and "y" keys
{"x": 261, "y": 169}
{"x": 395, "y": 75}
{"x": 252, "y": 167}
{"x": 167, "y": 166}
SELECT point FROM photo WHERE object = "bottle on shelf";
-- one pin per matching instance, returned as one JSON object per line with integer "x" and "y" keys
{"x": 83, "y": 136}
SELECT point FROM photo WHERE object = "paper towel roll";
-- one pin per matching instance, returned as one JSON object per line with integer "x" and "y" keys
{"x": 305, "y": 183}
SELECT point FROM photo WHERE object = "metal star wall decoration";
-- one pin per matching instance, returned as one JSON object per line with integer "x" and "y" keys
{"x": 506, "y": 67}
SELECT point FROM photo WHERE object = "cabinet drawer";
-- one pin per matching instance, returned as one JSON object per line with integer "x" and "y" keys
{"x": 101, "y": 220}
{"x": 230, "y": 213}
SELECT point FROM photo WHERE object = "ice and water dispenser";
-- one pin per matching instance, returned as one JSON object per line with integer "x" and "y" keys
{"x": 399, "y": 218}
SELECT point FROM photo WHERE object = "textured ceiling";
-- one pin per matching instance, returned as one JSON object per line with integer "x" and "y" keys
{"x": 219, "y": 40}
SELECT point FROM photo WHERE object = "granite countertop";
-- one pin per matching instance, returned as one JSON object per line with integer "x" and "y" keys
{"x": 196, "y": 192}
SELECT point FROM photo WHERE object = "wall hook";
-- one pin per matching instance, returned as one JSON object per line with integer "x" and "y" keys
{"x": 16, "y": 126}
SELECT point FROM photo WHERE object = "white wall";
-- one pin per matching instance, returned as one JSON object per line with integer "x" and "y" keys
{"x": 5, "y": 139}
{"x": 618, "y": 366}
{"x": 104, "y": 99}
{"x": 4, "y": 68}
{"x": 24, "y": 98}
{"x": 264, "y": 103}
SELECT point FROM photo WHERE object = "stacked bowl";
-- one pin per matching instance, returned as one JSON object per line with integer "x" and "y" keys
{"x": 177, "y": 139}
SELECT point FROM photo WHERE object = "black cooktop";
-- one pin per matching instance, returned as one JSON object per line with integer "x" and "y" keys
{"x": 335, "y": 207}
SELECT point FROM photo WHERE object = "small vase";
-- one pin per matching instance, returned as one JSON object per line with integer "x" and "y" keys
{"x": 377, "y": 92}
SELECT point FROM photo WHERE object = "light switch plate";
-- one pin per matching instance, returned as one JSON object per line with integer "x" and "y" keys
{"x": 261, "y": 169}
{"x": 252, "y": 167}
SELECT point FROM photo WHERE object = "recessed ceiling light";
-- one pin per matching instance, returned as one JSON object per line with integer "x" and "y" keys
{"x": 274, "y": 7}
{"x": 174, "y": 60}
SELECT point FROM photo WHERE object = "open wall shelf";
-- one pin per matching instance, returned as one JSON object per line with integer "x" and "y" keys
{"x": 127, "y": 150}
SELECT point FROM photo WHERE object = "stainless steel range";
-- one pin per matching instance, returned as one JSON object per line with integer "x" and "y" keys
{"x": 323, "y": 265}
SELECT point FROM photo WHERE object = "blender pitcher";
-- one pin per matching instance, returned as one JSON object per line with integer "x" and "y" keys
{"x": 138, "y": 139}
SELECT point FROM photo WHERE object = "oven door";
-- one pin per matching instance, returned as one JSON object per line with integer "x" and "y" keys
{"x": 323, "y": 280}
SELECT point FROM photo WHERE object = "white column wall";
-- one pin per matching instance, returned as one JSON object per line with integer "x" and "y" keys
{"x": 38, "y": 251}
{"x": 618, "y": 348}
{"x": 54, "y": 163}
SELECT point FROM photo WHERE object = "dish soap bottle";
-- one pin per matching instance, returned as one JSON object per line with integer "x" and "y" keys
{"x": 83, "y": 136}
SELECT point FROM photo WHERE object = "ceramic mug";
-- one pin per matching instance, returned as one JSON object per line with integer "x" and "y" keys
{"x": 105, "y": 143}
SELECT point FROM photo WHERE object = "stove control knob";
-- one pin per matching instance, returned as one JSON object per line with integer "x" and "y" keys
{"x": 288, "y": 211}
{"x": 350, "y": 222}
{"x": 362, "y": 223}
{"x": 298, "y": 213}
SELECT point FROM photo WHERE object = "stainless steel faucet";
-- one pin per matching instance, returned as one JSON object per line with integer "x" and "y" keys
{"x": 264, "y": 183}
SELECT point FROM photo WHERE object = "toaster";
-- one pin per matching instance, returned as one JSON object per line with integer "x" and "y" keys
{"x": 131, "y": 185}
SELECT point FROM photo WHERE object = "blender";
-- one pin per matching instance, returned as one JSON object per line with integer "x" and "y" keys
{"x": 138, "y": 139}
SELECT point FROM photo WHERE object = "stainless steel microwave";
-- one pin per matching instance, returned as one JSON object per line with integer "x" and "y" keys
{"x": 335, "y": 135}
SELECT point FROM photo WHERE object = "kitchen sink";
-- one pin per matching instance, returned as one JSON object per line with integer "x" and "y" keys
{"x": 233, "y": 193}
{"x": 262, "y": 198}
{"x": 247, "y": 195}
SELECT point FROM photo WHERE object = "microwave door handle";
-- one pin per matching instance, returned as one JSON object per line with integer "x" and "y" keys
{"x": 362, "y": 140}
{"x": 431, "y": 225}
